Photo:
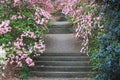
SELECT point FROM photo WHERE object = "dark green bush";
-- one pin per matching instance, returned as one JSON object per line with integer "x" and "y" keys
{"x": 107, "y": 58}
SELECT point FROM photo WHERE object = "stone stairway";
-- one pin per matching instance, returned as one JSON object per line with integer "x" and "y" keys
{"x": 62, "y": 58}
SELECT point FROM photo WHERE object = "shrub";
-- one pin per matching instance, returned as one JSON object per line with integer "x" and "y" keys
{"x": 108, "y": 58}
{"x": 23, "y": 23}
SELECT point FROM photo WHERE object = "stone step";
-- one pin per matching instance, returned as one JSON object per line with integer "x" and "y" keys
{"x": 61, "y": 58}
{"x": 63, "y": 63}
{"x": 45, "y": 78}
{"x": 60, "y": 74}
{"x": 62, "y": 43}
{"x": 61, "y": 27}
{"x": 62, "y": 68}
{"x": 63, "y": 54}
{"x": 61, "y": 23}
{"x": 60, "y": 30}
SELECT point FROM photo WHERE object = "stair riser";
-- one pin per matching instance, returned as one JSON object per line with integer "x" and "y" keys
{"x": 61, "y": 59}
{"x": 60, "y": 30}
{"x": 63, "y": 54}
{"x": 61, "y": 24}
{"x": 62, "y": 75}
{"x": 60, "y": 69}
{"x": 66, "y": 63}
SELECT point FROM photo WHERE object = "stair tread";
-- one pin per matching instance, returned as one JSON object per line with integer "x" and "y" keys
{"x": 66, "y": 61}
{"x": 60, "y": 23}
{"x": 62, "y": 68}
{"x": 62, "y": 43}
{"x": 61, "y": 74}
{"x": 44, "y": 78}
{"x": 62, "y": 57}
{"x": 57, "y": 72}
{"x": 65, "y": 66}
{"x": 63, "y": 63}
{"x": 63, "y": 54}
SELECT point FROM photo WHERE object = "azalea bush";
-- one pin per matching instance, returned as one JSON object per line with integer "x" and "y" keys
{"x": 97, "y": 24}
{"x": 23, "y": 24}
{"x": 85, "y": 18}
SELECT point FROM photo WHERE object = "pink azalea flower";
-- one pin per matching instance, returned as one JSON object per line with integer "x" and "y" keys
{"x": 89, "y": 17}
{"x": 24, "y": 56}
{"x": 4, "y": 27}
{"x": 32, "y": 35}
{"x": 38, "y": 21}
{"x": 16, "y": 44}
{"x": 17, "y": 57}
{"x": 19, "y": 64}
{"x": 45, "y": 14}
{"x": 16, "y": 2}
{"x": 12, "y": 56}
{"x": 19, "y": 52}
{"x": 13, "y": 17}
{"x": 32, "y": 64}
{"x": 34, "y": 1}
{"x": 28, "y": 61}
{"x": 20, "y": 17}
{"x": 42, "y": 21}
{"x": 11, "y": 62}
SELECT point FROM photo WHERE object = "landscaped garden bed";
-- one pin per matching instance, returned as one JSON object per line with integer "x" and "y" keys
{"x": 24, "y": 23}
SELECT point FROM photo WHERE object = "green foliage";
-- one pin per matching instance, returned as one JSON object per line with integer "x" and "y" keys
{"x": 25, "y": 71}
{"x": 22, "y": 26}
{"x": 106, "y": 57}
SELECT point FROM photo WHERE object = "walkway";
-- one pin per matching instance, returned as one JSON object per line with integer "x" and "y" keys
{"x": 62, "y": 59}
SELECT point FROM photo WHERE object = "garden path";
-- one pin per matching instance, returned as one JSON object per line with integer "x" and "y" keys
{"x": 62, "y": 59}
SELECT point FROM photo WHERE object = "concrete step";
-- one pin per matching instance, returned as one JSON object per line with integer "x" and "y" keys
{"x": 60, "y": 30}
{"x": 61, "y": 27}
{"x": 61, "y": 58}
{"x": 62, "y": 68}
{"x": 61, "y": 23}
{"x": 63, "y": 63}
{"x": 63, "y": 54}
{"x": 62, "y": 43}
{"x": 60, "y": 74}
{"x": 45, "y": 78}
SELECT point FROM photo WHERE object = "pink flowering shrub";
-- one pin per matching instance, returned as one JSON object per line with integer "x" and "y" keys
{"x": 23, "y": 23}
{"x": 85, "y": 19}
{"x": 4, "y": 27}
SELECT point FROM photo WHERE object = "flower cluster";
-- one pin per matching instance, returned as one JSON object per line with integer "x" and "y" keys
{"x": 59, "y": 4}
{"x": 19, "y": 59}
{"x": 70, "y": 6}
{"x": 41, "y": 13}
{"x": 84, "y": 19}
{"x": 44, "y": 4}
{"x": 39, "y": 47}
{"x": 20, "y": 41}
{"x": 20, "y": 55}
{"x": 5, "y": 27}
{"x": 23, "y": 24}
{"x": 17, "y": 17}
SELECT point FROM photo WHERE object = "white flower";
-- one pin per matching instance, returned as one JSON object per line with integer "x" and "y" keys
{"x": 2, "y": 55}
{"x": 1, "y": 51}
